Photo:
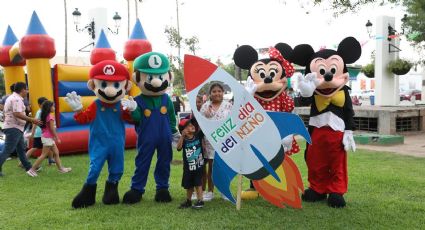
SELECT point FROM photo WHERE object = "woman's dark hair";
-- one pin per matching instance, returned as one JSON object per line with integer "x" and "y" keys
{"x": 40, "y": 100}
{"x": 216, "y": 84}
{"x": 19, "y": 86}
{"x": 45, "y": 111}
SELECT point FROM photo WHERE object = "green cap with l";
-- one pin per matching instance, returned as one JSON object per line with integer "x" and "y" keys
{"x": 152, "y": 63}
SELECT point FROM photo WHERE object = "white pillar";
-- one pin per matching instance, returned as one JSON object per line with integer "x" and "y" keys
{"x": 386, "y": 83}
{"x": 99, "y": 15}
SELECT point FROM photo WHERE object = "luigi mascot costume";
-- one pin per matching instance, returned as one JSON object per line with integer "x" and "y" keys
{"x": 153, "y": 113}
{"x": 109, "y": 80}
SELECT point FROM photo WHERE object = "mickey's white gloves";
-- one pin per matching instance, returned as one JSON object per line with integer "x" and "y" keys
{"x": 308, "y": 84}
{"x": 74, "y": 101}
{"x": 348, "y": 141}
{"x": 175, "y": 139}
{"x": 129, "y": 104}
{"x": 287, "y": 142}
{"x": 250, "y": 86}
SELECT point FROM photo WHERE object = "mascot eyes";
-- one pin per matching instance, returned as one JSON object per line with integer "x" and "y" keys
{"x": 261, "y": 72}
{"x": 117, "y": 85}
{"x": 322, "y": 70}
{"x": 103, "y": 84}
{"x": 273, "y": 72}
{"x": 150, "y": 78}
{"x": 160, "y": 77}
{"x": 333, "y": 69}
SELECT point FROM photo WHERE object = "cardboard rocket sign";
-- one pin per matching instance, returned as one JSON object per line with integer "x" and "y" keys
{"x": 247, "y": 142}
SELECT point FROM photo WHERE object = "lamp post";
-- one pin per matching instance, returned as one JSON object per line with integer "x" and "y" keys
{"x": 90, "y": 27}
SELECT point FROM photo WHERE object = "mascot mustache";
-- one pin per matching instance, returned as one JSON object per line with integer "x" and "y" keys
{"x": 156, "y": 89}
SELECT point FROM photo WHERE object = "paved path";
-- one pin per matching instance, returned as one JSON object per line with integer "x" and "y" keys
{"x": 414, "y": 145}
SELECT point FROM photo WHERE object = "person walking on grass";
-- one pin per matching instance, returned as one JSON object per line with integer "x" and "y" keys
{"x": 36, "y": 135}
{"x": 193, "y": 163}
{"x": 13, "y": 127}
{"x": 48, "y": 137}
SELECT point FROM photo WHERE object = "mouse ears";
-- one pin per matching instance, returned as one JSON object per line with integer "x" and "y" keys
{"x": 245, "y": 56}
{"x": 302, "y": 54}
{"x": 350, "y": 50}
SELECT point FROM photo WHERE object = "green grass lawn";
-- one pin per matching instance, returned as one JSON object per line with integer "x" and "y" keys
{"x": 386, "y": 191}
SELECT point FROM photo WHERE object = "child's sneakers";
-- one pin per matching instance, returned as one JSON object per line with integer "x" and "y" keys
{"x": 51, "y": 161}
{"x": 186, "y": 204}
{"x": 199, "y": 204}
{"x": 65, "y": 170}
{"x": 32, "y": 173}
{"x": 208, "y": 196}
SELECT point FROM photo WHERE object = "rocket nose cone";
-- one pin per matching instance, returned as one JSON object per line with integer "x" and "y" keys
{"x": 196, "y": 71}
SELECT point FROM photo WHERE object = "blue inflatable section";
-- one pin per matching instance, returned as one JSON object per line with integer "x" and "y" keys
{"x": 67, "y": 119}
{"x": 80, "y": 87}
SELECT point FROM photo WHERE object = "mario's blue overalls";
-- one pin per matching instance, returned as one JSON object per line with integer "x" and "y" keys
{"x": 107, "y": 125}
{"x": 154, "y": 132}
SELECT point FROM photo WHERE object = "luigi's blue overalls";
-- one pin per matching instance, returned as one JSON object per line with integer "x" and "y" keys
{"x": 106, "y": 139}
{"x": 155, "y": 123}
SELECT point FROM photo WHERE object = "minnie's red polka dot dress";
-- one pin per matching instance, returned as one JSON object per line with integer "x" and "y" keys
{"x": 282, "y": 103}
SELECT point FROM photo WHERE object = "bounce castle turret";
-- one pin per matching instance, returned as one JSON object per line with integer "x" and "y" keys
{"x": 136, "y": 45}
{"x": 54, "y": 83}
{"x": 37, "y": 47}
{"x": 13, "y": 69}
{"x": 102, "y": 51}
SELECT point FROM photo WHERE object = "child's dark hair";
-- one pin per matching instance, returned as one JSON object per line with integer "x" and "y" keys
{"x": 40, "y": 100}
{"x": 46, "y": 107}
{"x": 213, "y": 85}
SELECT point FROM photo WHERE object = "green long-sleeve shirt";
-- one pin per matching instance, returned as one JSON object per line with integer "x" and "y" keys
{"x": 155, "y": 102}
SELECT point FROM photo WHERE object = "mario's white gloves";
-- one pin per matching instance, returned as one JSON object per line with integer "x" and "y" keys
{"x": 175, "y": 139}
{"x": 250, "y": 86}
{"x": 287, "y": 142}
{"x": 74, "y": 101}
{"x": 129, "y": 104}
{"x": 307, "y": 84}
{"x": 348, "y": 141}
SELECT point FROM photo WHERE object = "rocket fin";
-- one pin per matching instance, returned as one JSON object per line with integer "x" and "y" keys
{"x": 289, "y": 123}
{"x": 222, "y": 176}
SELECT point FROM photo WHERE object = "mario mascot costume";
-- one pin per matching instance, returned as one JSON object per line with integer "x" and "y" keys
{"x": 267, "y": 81}
{"x": 153, "y": 113}
{"x": 331, "y": 118}
{"x": 109, "y": 80}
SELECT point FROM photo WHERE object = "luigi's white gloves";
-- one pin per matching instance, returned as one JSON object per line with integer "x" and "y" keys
{"x": 129, "y": 104}
{"x": 348, "y": 141}
{"x": 250, "y": 86}
{"x": 307, "y": 84}
{"x": 287, "y": 142}
{"x": 74, "y": 101}
{"x": 175, "y": 139}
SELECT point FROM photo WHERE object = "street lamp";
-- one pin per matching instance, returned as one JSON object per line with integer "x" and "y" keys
{"x": 369, "y": 28}
{"x": 90, "y": 27}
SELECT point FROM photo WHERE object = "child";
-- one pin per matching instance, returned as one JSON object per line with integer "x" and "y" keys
{"x": 216, "y": 108}
{"x": 36, "y": 135}
{"x": 48, "y": 138}
{"x": 193, "y": 162}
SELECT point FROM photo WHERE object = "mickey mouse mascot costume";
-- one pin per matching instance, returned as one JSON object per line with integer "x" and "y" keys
{"x": 153, "y": 113}
{"x": 267, "y": 81}
{"x": 331, "y": 121}
{"x": 109, "y": 80}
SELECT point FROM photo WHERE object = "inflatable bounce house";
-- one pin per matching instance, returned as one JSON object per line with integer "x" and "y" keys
{"x": 34, "y": 51}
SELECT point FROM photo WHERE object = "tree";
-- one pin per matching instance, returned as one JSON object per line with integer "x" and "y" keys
{"x": 413, "y": 26}
{"x": 174, "y": 39}
{"x": 230, "y": 68}
{"x": 2, "y": 88}
{"x": 192, "y": 43}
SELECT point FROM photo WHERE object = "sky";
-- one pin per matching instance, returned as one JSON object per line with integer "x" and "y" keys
{"x": 220, "y": 24}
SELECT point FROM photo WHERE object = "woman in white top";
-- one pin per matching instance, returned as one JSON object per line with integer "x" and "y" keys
{"x": 215, "y": 109}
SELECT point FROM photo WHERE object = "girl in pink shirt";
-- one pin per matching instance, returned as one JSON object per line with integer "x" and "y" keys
{"x": 49, "y": 137}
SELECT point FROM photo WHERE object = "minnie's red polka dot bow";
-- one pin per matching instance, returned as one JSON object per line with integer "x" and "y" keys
{"x": 276, "y": 55}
